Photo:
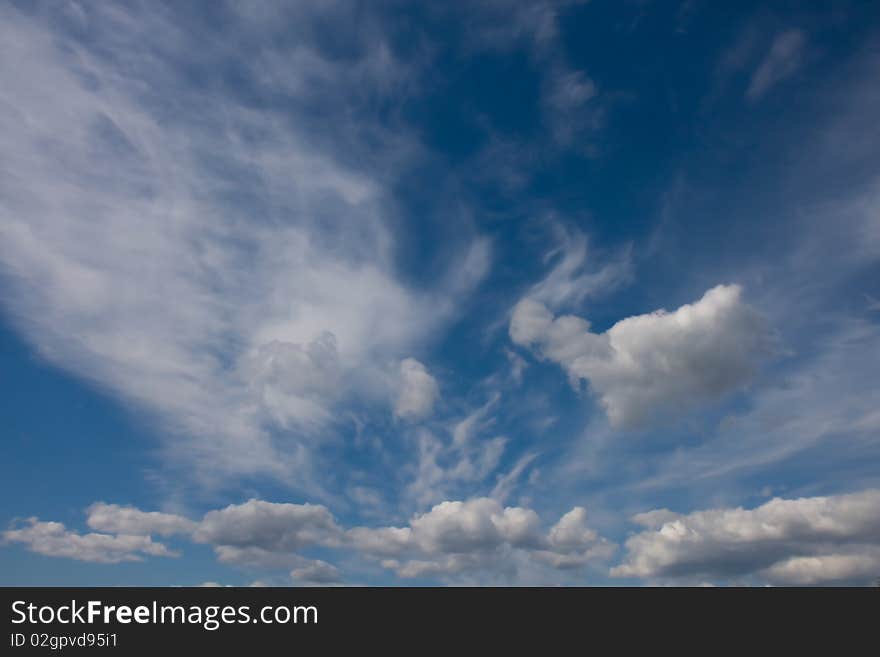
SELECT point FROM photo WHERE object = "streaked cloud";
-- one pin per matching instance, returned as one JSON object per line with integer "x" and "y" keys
{"x": 782, "y": 61}
{"x": 225, "y": 273}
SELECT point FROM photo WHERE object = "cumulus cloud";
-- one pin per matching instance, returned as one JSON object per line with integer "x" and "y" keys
{"x": 268, "y": 535}
{"x": 452, "y": 538}
{"x": 53, "y": 539}
{"x": 810, "y": 540}
{"x": 783, "y": 60}
{"x": 254, "y": 557}
{"x": 270, "y": 526}
{"x": 821, "y": 403}
{"x": 254, "y": 534}
{"x": 317, "y": 572}
{"x": 647, "y": 365}
{"x": 473, "y": 525}
{"x": 458, "y": 536}
{"x": 116, "y": 519}
{"x": 572, "y": 544}
{"x": 860, "y": 567}
{"x": 417, "y": 391}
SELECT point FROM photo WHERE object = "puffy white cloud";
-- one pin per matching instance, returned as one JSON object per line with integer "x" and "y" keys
{"x": 825, "y": 401}
{"x": 267, "y": 535}
{"x": 571, "y": 532}
{"x": 783, "y": 60}
{"x": 257, "y": 557}
{"x": 572, "y": 544}
{"x": 655, "y": 518}
{"x": 468, "y": 537}
{"x": 317, "y": 572}
{"x": 473, "y": 525}
{"x": 647, "y": 365}
{"x": 417, "y": 391}
{"x": 276, "y": 527}
{"x": 116, "y": 519}
{"x": 805, "y": 540}
{"x": 859, "y": 567}
{"x": 458, "y": 536}
{"x": 53, "y": 539}
{"x": 530, "y": 322}
{"x": 452, "y": 527}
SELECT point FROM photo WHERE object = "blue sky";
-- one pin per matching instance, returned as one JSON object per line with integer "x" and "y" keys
{"x": 494, "y": 292}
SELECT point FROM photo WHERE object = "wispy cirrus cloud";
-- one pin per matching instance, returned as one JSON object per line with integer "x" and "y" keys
{"x": 209, "y": 260}
{"x": 781, "y": 61}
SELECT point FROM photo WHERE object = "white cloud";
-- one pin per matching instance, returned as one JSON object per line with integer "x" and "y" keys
{"x": 473, "y": 525}
{"x": 317, "y": 572}
{"x": 518, "y": 366}
{"x": 576, "y": 274}
{"x": 476, "y": 534}
{"x": 655, "y": 518}
{"x": 827, "y": 401}
{"x": 53, "y": 539}
{"x": 647, "y": 365}
{"x": 268, "y": 535}
{"x": 570, "y": 106}
{"x": 381, "y": 541}
{"x": 417, "y": 391}
{"x": 799, "y": 541}
{"x": 783, "y": 60}
{"x": 440, "y": 466}
{"x": 572, "y": 544}
{"x": 571, "y": 532}
{"x": 861, "y": 567}
{"x": 116, "y": 519}
{"x": 293, "y": 382}
{"x": 506, "y": 483}
{"x": 210, "y": 261}
{"x": 479, "y": 420}
{"x": 257, "y": 558}
{"x": 571, "y": 89}
{"x": 277, "y": 527}
{"x": 505, "y": 24}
